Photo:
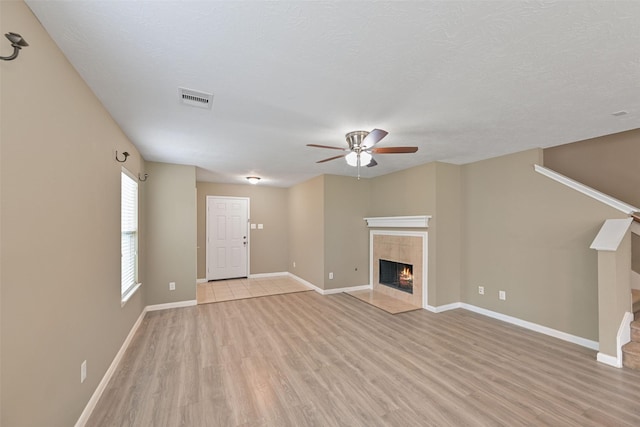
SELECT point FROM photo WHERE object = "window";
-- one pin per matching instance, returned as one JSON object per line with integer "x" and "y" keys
{"x": 128, "y": 234}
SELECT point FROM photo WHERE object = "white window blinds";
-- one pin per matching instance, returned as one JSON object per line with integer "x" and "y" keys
{"x": 129, "y": 232}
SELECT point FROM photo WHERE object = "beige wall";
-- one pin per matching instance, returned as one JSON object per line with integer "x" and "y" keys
{"x": 410, "y": 192}
{"x": 447, "y": 236}
{"x": 614, "y": 298}
{"x": 530, "y": 236}
{"x": 269, "y": 206}
{"x": 346, "y": 236}
{"x": 306, "y": 231}
{"x": 60, "y": 243}
{"x": 171, "y": 233}
{"x": 430, "y": 189}
{"x": 609, "y": 163}
{"x": 635, "y": 253}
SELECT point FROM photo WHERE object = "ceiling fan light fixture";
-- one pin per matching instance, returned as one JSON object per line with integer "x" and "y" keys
{"x": 253, "y": 179}
{"x": 355, "y": 138}
{"x": 362, "y": 147}
{"x": 352, "y": 159}
{"x": 365, "y": 158}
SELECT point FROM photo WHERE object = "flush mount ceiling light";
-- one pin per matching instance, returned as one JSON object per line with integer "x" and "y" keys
{"x": 17, "y": 42}
{"x": 253, "y": 179}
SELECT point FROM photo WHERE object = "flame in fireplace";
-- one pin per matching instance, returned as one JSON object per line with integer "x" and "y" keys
{"x": 405, "y": 276}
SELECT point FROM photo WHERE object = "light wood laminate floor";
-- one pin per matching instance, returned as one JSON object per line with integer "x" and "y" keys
{"x": 304, "y": 359}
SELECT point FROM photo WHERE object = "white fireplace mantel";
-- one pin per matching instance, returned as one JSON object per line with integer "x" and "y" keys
{"x": 419, "y": 221}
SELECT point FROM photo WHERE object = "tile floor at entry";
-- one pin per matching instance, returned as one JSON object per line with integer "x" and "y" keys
{"x": 234, "y": 289}
{"x": 382, "y": 301}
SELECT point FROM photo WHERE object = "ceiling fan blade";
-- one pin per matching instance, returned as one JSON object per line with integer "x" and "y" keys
{"x": 392, "y": 150}
{"x": 330, "y": 158}
{"x": 374, "y": 137}
{"x": 372, "y": 163}
{"x": 327, "y": 146}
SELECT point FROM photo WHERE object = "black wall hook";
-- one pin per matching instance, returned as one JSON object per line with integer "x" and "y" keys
{"x": 146, "y": 175}
{"x": 125, "y": 154}
{"x": 17, "y": 42}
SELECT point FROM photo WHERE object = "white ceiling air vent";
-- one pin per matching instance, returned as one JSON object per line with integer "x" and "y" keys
{"x": 195, "y": 98}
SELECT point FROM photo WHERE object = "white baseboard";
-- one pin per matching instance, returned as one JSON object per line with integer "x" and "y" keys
{"x": 441, "y": 308}
{"x": 260, "y": 275}
{"x": 593, "y": 345}
{"x": 198, "y": 281}
{"x": 328, "y": 291}
{"x": 307, "y": 284}
{"x": 608, "y": 360}
{"x": 169, "y": 305}
{"x": 623, "y": 337}
{"x": 102, "y": 385}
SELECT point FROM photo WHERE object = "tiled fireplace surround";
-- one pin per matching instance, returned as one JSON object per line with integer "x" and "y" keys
{"x": 404, "y": 247}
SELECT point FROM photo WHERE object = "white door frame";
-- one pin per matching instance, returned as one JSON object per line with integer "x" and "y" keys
{"x": 207, "y": 231}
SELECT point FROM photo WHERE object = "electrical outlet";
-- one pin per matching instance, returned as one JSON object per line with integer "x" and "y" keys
{"x": 481, "y": 290}
{"x": 83, "y": 371}
{"x": 331, "y": 276}
{"x": 172, "y": 286}
{"x": 294, "y": 264}
{"x": 502, "y": 295}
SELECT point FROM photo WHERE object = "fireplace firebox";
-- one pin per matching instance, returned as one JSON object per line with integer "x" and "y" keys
{"x": 396, "y": 275}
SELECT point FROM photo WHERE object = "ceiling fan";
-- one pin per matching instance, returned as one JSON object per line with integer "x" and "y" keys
{"x": 361, "y": 148}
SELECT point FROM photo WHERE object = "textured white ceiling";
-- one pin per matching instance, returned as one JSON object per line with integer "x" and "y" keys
{"x": 463, "y": 81}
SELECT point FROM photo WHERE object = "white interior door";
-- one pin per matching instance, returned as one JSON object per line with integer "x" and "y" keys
{"x": 227, "y": 237}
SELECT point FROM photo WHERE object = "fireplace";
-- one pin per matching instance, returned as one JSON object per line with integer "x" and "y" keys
{"x": 405, "y": 277}
{"x": 396, "y": 275}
